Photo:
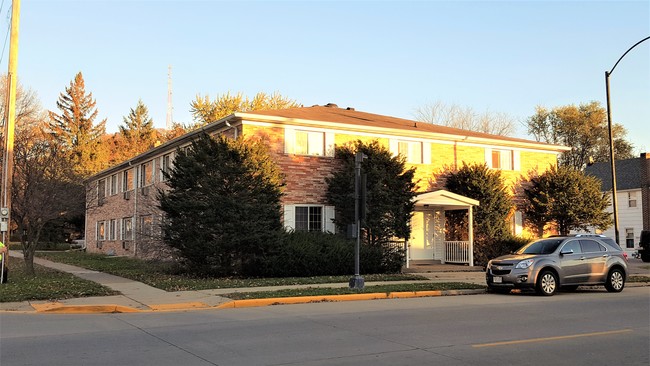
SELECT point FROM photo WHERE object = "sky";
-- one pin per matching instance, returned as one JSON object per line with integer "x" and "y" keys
{"x": 383, "y": 57}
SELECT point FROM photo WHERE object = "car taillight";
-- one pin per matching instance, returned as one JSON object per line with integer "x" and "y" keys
{"x": 625, "y": 256}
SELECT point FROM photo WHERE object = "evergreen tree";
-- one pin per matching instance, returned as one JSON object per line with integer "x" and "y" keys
{"x": 223, "y": 205}
{"x": 390, "y": 192}
{"x": 74, "y": 129}
{"x": 481, "y": 183}
{"x": 138, "y": 133}
{"x": 567, "y": 198}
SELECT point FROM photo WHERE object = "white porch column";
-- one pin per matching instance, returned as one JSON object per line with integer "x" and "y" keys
{"x": 471, "y": 236}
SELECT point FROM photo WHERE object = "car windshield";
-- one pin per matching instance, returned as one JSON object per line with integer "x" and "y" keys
{"x": 544, "y": 246}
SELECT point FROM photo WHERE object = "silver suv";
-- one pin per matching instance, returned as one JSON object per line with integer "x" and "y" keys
{"x": 564, "y": 261}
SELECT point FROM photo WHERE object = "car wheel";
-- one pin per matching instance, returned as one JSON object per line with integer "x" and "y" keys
{"x": 570, "y": 288}
{"x": 547, "y": 283}
{"x": 615, "y": 280}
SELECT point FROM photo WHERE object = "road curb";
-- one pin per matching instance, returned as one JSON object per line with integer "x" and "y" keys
{"x": 340, "y": 298}
{"x": 60, "y": 308}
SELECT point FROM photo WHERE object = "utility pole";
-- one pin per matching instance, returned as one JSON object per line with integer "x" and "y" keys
{"x": 7, "y": 169}
{"x": 170, "y": 120}
{"x": 357, "y": 282}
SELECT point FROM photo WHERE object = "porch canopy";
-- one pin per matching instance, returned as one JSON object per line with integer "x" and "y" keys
{"x": 454, "y": 251}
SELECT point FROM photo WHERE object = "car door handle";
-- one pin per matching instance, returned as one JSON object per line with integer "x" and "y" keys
{"x": 583, "y": 258}
{"x": 605, "y": 255}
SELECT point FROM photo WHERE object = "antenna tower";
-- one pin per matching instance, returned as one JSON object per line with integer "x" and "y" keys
{"x": 169, "y": 98}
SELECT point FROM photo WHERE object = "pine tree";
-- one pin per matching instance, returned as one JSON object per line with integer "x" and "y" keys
{"x": 74, "y": 128}
{"x": 390, "y": 192}
{"x": 138, "y": 134}
{"x": 223, "y": 205}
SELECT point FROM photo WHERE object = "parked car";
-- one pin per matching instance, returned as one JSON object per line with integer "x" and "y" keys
{"x": 562, "y": 261}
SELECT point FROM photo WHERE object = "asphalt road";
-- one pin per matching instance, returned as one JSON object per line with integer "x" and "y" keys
{"x": 590, "y": 327}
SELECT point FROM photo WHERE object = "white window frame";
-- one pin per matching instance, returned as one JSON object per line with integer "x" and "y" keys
{"x": 319, "y": 142}
{"x": 101, "y": 230}
{"x": 327, "y": 214}
{"x": 165, "y": 165}
{"x": 631, "y": 199}
{"x": 112, "y": 229}
{"x": 629, "y": 238}
{"x": 114, "y": 184}
{"x": 127, "y": 180}
{"x": 146, "y": 174}
{"x": 509, "y": 159}
{"x": 126, "y": 223}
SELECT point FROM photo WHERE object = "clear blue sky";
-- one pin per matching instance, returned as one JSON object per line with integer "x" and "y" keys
{"x": 384, "y": 57}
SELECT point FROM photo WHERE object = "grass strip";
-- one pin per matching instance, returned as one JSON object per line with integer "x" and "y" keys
{"x": 47, "y": 284}
{"x": 319, "y": 291}
{"x": 165, "y": 276}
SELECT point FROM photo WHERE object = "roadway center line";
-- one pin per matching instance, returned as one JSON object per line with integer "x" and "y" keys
{"x": 548, "y": 339}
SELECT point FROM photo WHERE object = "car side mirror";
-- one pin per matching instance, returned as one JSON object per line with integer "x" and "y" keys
{"x": 565, "y": 252}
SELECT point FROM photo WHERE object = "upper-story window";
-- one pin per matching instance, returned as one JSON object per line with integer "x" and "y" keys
{"x": 411, "y": 150}
{"x": 631, "y": 199}
{"x": 165, "y": 165}
{"x": 113, "y": 184}
{"x": 305, "y": 142}
{"x": 127, "y": 181}
{"x": 629, "y": 237}
{"x": 146, "y": 174}
{"x": 502, "y": 159}
{"x": 101, "y": 188}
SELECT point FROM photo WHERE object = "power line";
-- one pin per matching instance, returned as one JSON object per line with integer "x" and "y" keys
{"x": 8, "y": 31}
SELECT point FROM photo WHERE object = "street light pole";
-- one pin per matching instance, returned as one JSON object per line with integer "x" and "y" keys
{"x": 357, "y": 281}
{"x": 611, "y": 141}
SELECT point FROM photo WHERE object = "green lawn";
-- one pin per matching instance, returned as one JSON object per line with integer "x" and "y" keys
{"x": 164, "y": 276}
{"x": 48, "y": 284}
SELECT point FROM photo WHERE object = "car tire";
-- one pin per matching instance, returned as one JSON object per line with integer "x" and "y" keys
{"x": 615, "y": 280}
{"x": 547, "y": 283}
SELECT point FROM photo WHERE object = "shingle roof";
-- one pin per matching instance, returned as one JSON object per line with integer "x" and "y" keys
{"x": 354, "y": 117}
{"x": 628, "y": 174}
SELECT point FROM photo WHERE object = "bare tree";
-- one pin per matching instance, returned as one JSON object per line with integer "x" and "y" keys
{"x": 465, "y": 118}
{"x": 45, "y": 187}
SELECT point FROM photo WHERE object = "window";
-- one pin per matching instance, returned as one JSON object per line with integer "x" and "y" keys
{"x": 574, "y": 246}
{"x": 165, "y": 165}
{"x": 591, "y": 246}
{"x": 127, "y": 182}
{"x": 631, "y": 199}
{"x": 629, "y": 238}
{"x": 101, "y": 230}
{"x": 113, "y": 184}
{"x": 101, "y": 188}
{"x": 146, "y": 174}
{"x": 309, "y": 218}
{"x": 112, "y": 229}
{"x": 309, "y": 143}
{"x": 127, "y": 228}
{"x": 411, "y": 150}
{"x": 502, "y": 159}
{"x": 146, "y": 222}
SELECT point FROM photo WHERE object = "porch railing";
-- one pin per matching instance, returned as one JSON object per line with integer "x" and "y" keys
{"x": 458, "y": 252}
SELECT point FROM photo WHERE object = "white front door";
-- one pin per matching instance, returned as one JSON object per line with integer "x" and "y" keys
{"x": 422, "y": 235}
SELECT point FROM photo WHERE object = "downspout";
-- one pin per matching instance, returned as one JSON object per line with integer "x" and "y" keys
{"x": 135, "y": 213}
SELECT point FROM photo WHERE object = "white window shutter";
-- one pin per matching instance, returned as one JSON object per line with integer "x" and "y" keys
{"x": 394, "y": 147}
{"x": 330, "y": 214}
{"x": 516, "y": 160}
{"x": 329, "y": 144}
{"x": 426, "y": 153}
{"x": 488, "y": 157}
{"x": 518, "y": 223}
{"x": 289, "y": 217}
{"x": 289, "y": 140}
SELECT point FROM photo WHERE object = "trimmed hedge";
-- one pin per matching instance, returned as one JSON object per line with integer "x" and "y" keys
{"x": 306, "y": 254}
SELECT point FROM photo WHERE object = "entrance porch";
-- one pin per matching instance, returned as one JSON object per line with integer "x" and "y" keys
{"x": 427, "y": 241}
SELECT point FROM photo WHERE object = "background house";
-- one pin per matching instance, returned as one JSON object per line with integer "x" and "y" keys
{"x": 633, "y": 196}
{"x": 122, "y": 217}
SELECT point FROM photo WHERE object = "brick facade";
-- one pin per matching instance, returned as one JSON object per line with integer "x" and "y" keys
{"x": 305, "y": 175}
